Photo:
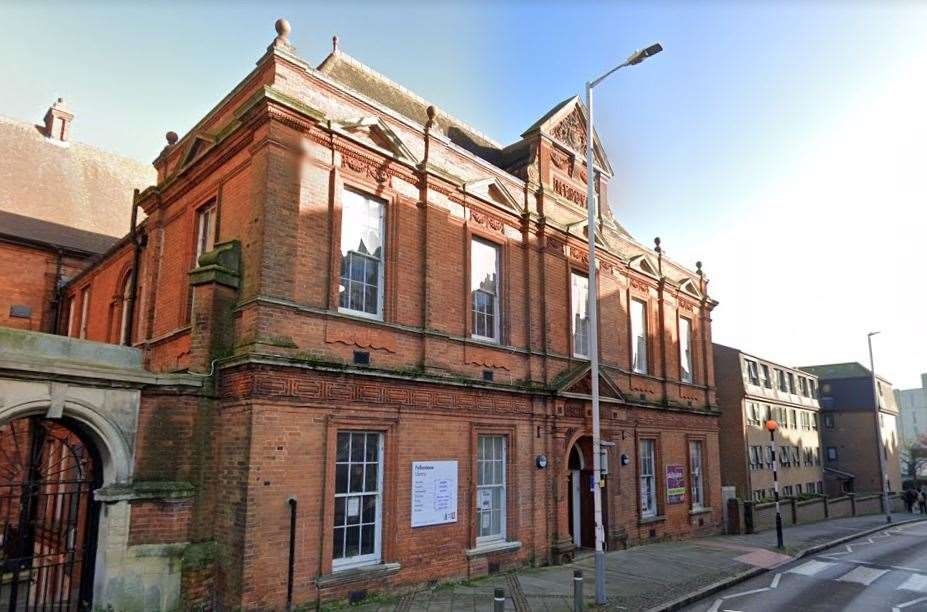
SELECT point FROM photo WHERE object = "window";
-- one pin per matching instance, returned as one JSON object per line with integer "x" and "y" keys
{"x": 753, "y": 375}
{"x": 84, "y": 311}
{"x": 798, "y": 488}
{"x": 769, "y": 457}
{"x": 791, "y": 383}
{"x": 780, "y": 377}
{"x": 879, "y": 385}
{"x": 648, "y": 480}
{"x": 767, "y": 412}
{"x": 358, "y": 499}
{"x": 205, "y": 230}
{"x": 805, "y": 420}
{"x": 484, "y": 289}
{"x": 756, "y": 457}
{"x": 490, "y": 489}
{"x": 70, "y": 317}
{"x": 825, "y": 389}
{"x": 809, "y": 487}
{"x": 361, "y": 290}
{"x": 814, "y": 422}
{"x": 765, "y": 377}
{"x": 829, "y": 421}
{"x": 695, "y": 473}
{"x": 803, "y": 385}
{"x": 124, "y": 318}
{"x": 812, "y": 388}
{"x": 793, "y": 421}
{"x": 817, "y": 456}
{"x": 831, "y": 453}
{"x": 579, "y": 299}
{"x": 759, "y": 495}
{"x": 820, "y": 487}
{"x": 785, "y": 457}
{"x": 753, "y": 413}
{"x": 788, "y": 491}
{"x": 685, "y": 349}
{"x": 639, "y": 336}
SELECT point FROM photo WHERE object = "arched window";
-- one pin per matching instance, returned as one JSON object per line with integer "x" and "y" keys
{"x": 125, "y": 305}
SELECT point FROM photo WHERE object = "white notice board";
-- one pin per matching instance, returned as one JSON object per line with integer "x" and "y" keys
{"x": 434, "y": 492}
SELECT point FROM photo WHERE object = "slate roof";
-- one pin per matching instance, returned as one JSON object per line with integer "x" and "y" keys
{"x": 54, "y": 234}
{"x": 66, "y": 185}
{"x": 370, "y": 83}
{"x": 852, "y": 369}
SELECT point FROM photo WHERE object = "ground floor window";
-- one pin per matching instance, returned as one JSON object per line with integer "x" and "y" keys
{"x": 759, "y": 495}
{"x": 788, "y": 491}
{"x": 820, "y": 487}
{"x": 490, "y": 488}
{"x": 648, "y": 480}
{"x": 358, "y": 499}
{"x": 695, "y": 473}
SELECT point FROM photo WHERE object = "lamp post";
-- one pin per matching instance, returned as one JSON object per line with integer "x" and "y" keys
{"x": 591, "y": 302}
{"x": 878, "y": 431}
{"x": 772, "y": 426}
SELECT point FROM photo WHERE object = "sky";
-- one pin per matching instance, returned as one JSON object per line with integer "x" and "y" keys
{"x": 781, "y": 143}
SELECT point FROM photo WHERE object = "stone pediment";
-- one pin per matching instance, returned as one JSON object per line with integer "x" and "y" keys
{"x": 566, "y": 125}
{"x": 374, "y": 131}
{"x": 493, "y": 190}
{"x": 578, "y": 383}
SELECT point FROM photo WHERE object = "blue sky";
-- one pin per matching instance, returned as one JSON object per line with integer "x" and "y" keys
{"x": 780, "y": 143}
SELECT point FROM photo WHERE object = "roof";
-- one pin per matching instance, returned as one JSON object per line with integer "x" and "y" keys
{"x": 66, "y": 184}
{"x": 851, "y": 369}
{"x": 53, "y": 234}
{"x": 364, "y": 80}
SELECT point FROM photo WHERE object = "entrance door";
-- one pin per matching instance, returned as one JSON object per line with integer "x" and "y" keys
{"x": 576, "y": 495}
{"x": 47, "y": 516}
{"x": 582, "y": 502}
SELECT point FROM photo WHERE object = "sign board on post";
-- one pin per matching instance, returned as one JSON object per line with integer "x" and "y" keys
{"x": 675, "y": 484}
{"x": 434, "y": 492}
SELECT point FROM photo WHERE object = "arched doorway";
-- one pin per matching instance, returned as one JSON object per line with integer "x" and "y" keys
{"x": 48, "y": 519}
{"x": 581, "y": 506}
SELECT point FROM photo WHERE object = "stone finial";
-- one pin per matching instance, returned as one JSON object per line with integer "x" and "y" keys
{"x": 334, "y": 43}
{"x": 431, "y": 113}
{"x": 698, "y": 268}
{"x": 171, "y": 138}
{"x": 283, "y": 30}
{"x": 656, "y": 243}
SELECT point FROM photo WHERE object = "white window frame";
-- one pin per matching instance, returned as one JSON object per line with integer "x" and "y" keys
{"x": 647, "y": 479}
{"x": 381, "y": 267}
{"x": 84, "y": 312}
{"x": 503, "y": 487}
{"x": 71, "y": 317}
{"x": 375, "y": 557}
{"x": 765, "y": 376}
{"x": 497, "y": 314}
{"x": 696, "y": 474}
{"x": 639, "y": 351}
{"x": 752, "y": 370}
{"x": 205, "y": 230}
{"x": 579, "y": 284}
{"x": 686, "y": 374}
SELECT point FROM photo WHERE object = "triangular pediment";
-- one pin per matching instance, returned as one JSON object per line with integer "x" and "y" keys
{"x": 493, "y": 190}
{"x": 691, "y": 288}
{"x": 376, "y": 132}
{"x": 643, "y": 264}
{"x": 579, "y": 384}
{"x": 566, "y": 125}
{"x": 580, "y": 229}
{"x": 198, "y": 146}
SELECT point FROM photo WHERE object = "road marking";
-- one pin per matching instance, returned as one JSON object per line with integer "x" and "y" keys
{"x": 916, "y": 582}
{"x": 908, "y": 603}
{"x": 907, "y": 569}
{"x": 811, "y": 568}
{"x": 862, "y": 575}
{"x": 775, "y": 583}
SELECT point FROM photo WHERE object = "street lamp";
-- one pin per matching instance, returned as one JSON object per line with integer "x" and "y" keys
{"x": 878, "y": 432}
{"x": 772, "y": 426}
{"x": 591, "y": 300}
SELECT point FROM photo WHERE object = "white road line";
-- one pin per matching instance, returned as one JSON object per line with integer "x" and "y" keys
{"x": 915, "y": 582}
{"x": 862, "y": 575}
{"x": 907, "y": 569}
{"x": 908, "y": 603}
{"x": 750, "y": 592}
{"x": 775, "y": 583}
{"x": 811, "y": 568}
{"x": 717, "y": 605}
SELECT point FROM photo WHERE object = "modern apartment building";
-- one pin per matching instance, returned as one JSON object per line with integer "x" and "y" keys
{"x": 752, "y": 390}
{"x": 848, "y": 431}
{"x": 912, "y": 427}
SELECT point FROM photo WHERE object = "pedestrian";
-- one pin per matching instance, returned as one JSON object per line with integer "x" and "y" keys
{"x": 909, "y": 497}
{"x": 921, "y": 500}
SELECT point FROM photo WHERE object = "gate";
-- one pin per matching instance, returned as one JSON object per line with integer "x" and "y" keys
{"x": 48, "y": 518}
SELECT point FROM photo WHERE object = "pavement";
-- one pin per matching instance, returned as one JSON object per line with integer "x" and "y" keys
{"x": 664, "y": 576}
{"x": 884, "y": 571}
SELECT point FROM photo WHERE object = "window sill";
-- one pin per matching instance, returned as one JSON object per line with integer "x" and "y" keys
{"x": 695, "y": 511}
{"x": 356, "y": 574}
{"x": 492, "y": 547}
{"x": 648, "y": 520}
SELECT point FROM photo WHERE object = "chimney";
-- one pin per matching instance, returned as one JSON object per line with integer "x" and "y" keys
{"x": 58, "y": 121}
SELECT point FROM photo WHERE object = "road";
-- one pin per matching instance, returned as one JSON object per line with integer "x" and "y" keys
{"x": 883, "y": 572}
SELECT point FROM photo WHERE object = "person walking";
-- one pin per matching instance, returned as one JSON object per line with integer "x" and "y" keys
{"x": 909, "y": 498}
{"x": 921, "y": 500}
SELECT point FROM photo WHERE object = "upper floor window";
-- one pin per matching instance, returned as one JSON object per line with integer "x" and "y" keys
{"x": 753, "y": 374}
{"x": 639, "y": 336}
{"x": 791, "y": 383}
{"x": 685, "y": 350}
{"x": 70, "y": 317}
{"x": 812, "y": 388}
{"x": 803, "y": 385}
{"x": 84, "y": 311}
{"x": 205, "y": 229}
{"x": 361, "y": 290}
{"x": 829, "y": 421}
{"x": 780, "y": 378}
{"x": 484, "y": 289}
{"x": 764, "y": 376}
{"x": 579, "y": 300}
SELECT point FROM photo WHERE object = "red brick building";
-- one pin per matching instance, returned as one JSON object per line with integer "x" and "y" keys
{"x": 388, "y": 309}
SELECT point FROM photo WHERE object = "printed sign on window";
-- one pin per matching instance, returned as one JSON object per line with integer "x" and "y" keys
{"x": 675, "y": 484}
{"x": 434, "y": 492}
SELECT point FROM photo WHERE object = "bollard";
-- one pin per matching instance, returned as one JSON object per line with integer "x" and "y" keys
{"x": 498, "y": 601}
{"x": 577, "y": 590}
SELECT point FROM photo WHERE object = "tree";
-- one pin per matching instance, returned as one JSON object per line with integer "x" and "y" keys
{"x": 913, "y": 457}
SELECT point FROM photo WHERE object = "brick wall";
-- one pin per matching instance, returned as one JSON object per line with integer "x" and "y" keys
{"x": 28, "y": 277}
{"x": 160, "y": 522}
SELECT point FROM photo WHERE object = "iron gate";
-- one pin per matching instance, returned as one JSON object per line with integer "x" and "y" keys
{"x": 47, "y": 516}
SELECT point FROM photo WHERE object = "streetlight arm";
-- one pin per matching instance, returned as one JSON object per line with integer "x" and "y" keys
{"x": 595, "y": 82}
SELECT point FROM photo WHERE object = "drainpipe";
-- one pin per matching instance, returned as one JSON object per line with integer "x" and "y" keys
{"x": 136, "y": 256}
{"x": 57, "y": 309}
{"x": 662, "y": 327}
